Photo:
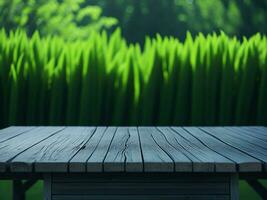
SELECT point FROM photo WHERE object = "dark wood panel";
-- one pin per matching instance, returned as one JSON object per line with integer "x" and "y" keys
{"x": 135, "y": 176}
{"x": 149, "y": 186}
{"x": 141, "y": 197}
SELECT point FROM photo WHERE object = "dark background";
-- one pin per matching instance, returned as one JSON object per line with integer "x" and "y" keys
{"x": 136, "y": 18}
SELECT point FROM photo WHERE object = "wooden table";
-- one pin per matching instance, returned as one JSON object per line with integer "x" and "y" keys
{"x": 134, "y": 162}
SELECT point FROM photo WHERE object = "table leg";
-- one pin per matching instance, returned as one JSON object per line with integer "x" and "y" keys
{"x": 20, "y": 188}
{"x": 18, "y": 192}
{"x": 47, "y": 187}
{"x": 234, "y": 186}
{"x": 258, "y": 187}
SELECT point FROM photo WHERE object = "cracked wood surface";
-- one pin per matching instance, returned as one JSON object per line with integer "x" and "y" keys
{"x": 133, "y": 149}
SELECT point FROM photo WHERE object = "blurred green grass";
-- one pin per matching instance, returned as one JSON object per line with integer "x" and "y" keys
{"x": 35, "y": 193}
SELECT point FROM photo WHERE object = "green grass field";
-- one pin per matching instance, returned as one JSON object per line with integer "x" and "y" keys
{"x": 35, "y": 193}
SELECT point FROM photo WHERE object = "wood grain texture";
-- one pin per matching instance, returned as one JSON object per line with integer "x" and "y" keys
{"x": 78, "y": 162}
{"x": 155, "y": 158}
{"x": 54, "y": 153}
{"x": 133, "y": 149}
{"x": 17, "y": 145}
{"x": 208, "y": 160}
{"x": 13, "y": 131}
{"x": 95, "y": 161}
{"x": 124, "y": 153}
{"x": 181, "y": 162}
{"x": 242, "y": 145}
{"x": 244, "y": 162}
{"x": 242, "y": 135}
{"x": 254, "y": 132}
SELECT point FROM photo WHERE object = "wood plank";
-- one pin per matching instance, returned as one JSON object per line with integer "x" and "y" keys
{"x": 47, "y": 187}
{"x": 241, "y": 145}
{"x": 245, "y": 162}
{"x": 145, "y": 188}
{"x": 234, "y": 187}
{"x": 53, "y": 154}
{"x": 145, "y": 177}
{"x": 124, "y": 153}
{"x": 206, "y": 155}
{"x": 222, "y": 164}
{"x": 79, "y": 161}
{"x": 95, "y": 162}
{"x": 256, "y": 130}
{"x": 262, "y": 129}
{"x": 134, "y": 159}
{"x": 153, "y": 183}
{"x": 182, "y": 145}
{"x": 155, "y": 159}
{"x": 258, "y": 145}
{"x": 252, "y": 133}
{"x": 13, "y": 131}
{"x": 240, "y": 134}
{"x": 181, "y": 162}
{"x": 15, "y": 146}
{"x": 139, "y": 185}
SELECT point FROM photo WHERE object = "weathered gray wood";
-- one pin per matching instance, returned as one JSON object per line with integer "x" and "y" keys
{"x": 258, "y": 129}
{"x": 54, "y": 153}
{"x": 258, "y": 132}
{"x": 234, "y": 187}
{"x": 152, "y": 149}
{"x": 222, "y": 164}
{"x": 15, "y": 146}
{"x": 182, "y": 145}
{"x": 239, "y": 144}
{"x": 155, "y": 159}
{"x": 245, "y": 162}
{"x": 204, "y": 154}
{"x": 95, "y": 161}
{"x": 13, "y": 131}
{"x": 181, "y": 162}
{"x": 254, "y": 132}
{"x": 124, "y": 153}
{"x": 240, "y": 134}
{"x": 79, "y": 161}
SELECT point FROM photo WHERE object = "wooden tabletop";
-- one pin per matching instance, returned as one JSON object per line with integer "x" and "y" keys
{"x": 133, "y": 149}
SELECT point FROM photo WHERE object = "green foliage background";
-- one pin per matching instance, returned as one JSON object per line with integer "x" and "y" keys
{"x": 137, "y": 19}
{"x": 212, "y": 80}
{"x": 65, "y": 18}
{"x": 174, "y": 17}
{"x": 82, "y": 77}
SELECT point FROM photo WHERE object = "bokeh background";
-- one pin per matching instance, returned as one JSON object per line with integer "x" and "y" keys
{"x": 55, "y": 55}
